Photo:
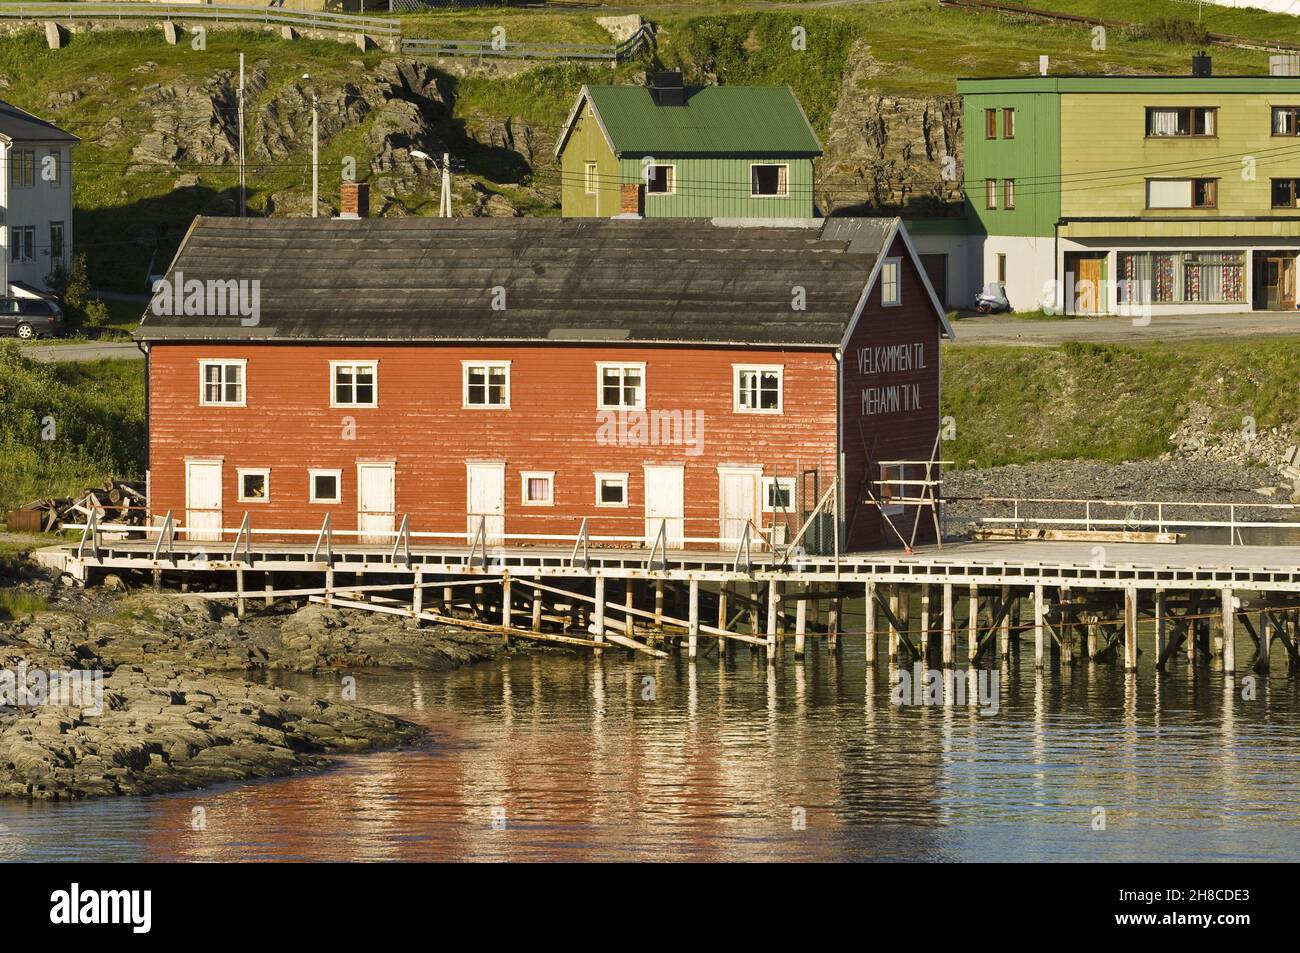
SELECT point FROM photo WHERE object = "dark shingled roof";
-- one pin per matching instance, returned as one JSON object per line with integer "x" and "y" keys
{"x": 19, "y": 126}
{"x": 589, "y": 280}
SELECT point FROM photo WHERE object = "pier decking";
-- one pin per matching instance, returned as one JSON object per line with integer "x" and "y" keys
{"x": 1077, "y": 599}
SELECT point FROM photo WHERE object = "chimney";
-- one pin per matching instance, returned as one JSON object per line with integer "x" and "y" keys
{"x": 354, "y": 200}
{"x": 1201, "y": 65}
{"x": 666, "y": 88}
{"x": 629, "y": 196}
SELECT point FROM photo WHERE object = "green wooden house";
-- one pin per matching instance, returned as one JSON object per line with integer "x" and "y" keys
{"x": 666, "y": 150}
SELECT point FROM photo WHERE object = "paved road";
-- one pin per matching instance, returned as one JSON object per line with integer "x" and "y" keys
{"x": 998, "y": 329}
{"x": 83, "y": 351}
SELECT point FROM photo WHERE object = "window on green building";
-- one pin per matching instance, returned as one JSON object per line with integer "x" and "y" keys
{"x": 661, "y": 180}
{"x": 589, "y": 178}
{"x": 990, "y": 124}
{"x": 769, "y": 180}
{"x": 1008, "y": 193}
{"x": 1008, "y": 123}
{"x": 990, "y": 193}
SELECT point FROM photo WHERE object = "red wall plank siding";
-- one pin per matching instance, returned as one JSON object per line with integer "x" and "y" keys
{"x": 289, "y": 426}
{"x": 883, "y": 430}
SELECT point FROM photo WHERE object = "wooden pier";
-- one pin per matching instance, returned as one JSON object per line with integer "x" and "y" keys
{"x": 971, "y": 602}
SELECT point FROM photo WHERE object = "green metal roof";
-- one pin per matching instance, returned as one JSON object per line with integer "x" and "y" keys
{"x": 716, "y": 120}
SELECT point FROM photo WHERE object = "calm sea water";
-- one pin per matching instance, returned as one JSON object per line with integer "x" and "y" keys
{"x": 557, "y": 757}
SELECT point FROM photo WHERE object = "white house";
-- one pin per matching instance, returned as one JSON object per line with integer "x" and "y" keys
{"x": 35, "y": 199}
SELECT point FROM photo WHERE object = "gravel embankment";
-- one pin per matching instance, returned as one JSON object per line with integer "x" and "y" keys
{"x": 1205, "y": 483}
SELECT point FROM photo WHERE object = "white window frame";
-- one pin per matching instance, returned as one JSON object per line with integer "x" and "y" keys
{"x": 464, "y": 385}
{"x": 591, "y": 177}
{"x": 264, "y": 473}
{"x": 374, "y": 373}
{"x": 896, "y": 299}
{"x": 601, "y": 366}
{"x": 312, "y": 474}
{"x": 526, "y": 475}
{"x": 738, "y": 369}
{"x": 765, "y": 485}
{"x": 616, "y": 478}
{"x": 243, "y": 381}
{"x": 672, "y": 178}
{"x": 18, "y": 163}
{"x": 774, "y": 195}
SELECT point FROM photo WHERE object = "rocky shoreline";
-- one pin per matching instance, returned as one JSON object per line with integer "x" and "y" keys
{"x": 177, "y": 709}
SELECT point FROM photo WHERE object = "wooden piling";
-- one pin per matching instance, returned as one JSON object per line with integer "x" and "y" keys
{"x": 1162, "y": 624}
{"x": 239, "y": 589}
{"x": 949, "y": 625}
{"x": 599, "y": 620}
{"x": 894, "y": 609}
{"x": 693, "y": 630}
{"x": 329, "y": 587}
{"x": 1130, "y": 629}
{"x": 800, "y": 627}
{"x": 1265, "y": 640}
{"x": 773, "y": 607}
{"x": 268, "y": 588}
{"x": 1040, "y": 610}
{"x": 1229, "y": 626}
{"x": 659, "y": 604}
{"x": 869, "y": 613}
{"x": 973, "y": 624}
{"x": 833, "y": 625}
{"x": 537, "y": 610}
{"x": 417, "y": 596}
{"x": 925, "y": 623}
{"x": 505, "y": 608}
{"x": 1004, "y": 633}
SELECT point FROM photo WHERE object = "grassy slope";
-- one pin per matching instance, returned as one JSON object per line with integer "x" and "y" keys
{"x": 1109, "y": 402}
{"x": 97, "y": 410}
{"x": 1240, "y": 22}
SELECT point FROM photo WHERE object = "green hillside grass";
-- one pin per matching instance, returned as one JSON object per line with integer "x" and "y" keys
{"x": 1109, "y": 402}
{"x": 97, "y": 409}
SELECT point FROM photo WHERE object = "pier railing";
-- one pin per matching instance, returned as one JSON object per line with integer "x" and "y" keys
{"x": 1161, "y": 516}
{"x": 483, "y": 539}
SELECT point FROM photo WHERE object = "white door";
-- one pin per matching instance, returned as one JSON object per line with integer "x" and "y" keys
{"x": 375, "y": 502}
{"x": 203, "y": 500}
{"x": 738, "y": 505}
{"x": 663, "y": 504}
{"x": 486, "y": 501}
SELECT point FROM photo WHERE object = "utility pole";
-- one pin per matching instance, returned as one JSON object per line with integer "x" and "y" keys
{"x": 444, "y": 202}
{"x": 315, "y": 150}
{"x": 243, "y": 196}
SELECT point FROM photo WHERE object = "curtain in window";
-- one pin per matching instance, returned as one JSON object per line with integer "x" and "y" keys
{"x": 1282, "y": 122}
{"x": 1162, "y": 122}
{"x": 1135, "y": 272}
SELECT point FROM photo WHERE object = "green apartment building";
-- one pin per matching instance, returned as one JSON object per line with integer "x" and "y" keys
{"x": 1101, "y": 193}
{"x": 672, "y": 151}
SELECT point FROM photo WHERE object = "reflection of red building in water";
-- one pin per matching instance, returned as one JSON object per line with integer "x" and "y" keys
{"x": 517, "y": 376}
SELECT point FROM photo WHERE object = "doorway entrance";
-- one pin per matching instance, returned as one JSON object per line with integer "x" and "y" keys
{"x": 1086, "y": 279}
{"x": 1275, "y": 280}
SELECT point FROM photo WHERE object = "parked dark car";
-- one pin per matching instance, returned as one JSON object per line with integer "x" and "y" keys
{"x": 29, "y": 318}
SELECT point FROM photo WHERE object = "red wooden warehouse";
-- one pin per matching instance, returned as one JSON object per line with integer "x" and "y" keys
{"x": 515, "y": 377}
